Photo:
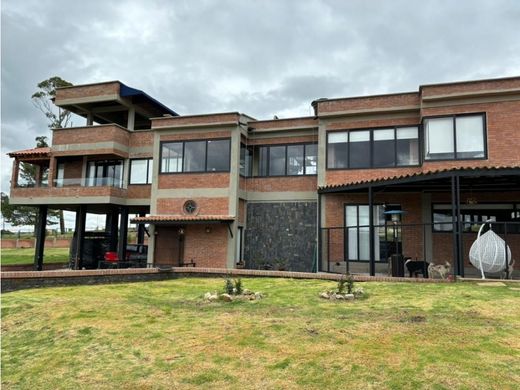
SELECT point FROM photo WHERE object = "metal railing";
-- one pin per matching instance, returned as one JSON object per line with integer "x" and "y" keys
{"x": 347, "y": 249}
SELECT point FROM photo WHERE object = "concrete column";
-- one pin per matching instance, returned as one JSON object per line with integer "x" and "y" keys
{"x": 90, "y": 119}
{"x": 111, "y": 228}
{"x": 40, "y": 229}
{"x": 130, "y": 125}
{"x": 140, "y": 231}
{"x": 14, "y": 175}
{"x": 151, "y": 245}
{"x": 123, "y": 234}
{"x": 81, "y": 217}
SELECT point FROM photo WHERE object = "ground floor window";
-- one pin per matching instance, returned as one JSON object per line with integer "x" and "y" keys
{"x": 357, "y": 232}
{"x": 473, "y": 215}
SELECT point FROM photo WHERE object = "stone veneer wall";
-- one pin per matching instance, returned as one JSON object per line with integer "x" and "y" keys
{"x": 282, "y": 234}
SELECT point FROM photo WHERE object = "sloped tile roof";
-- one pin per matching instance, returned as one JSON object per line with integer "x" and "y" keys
{"x": 424, "y": 174}
{"x": 30, "y": 152}
{"x": 182, "y": 218}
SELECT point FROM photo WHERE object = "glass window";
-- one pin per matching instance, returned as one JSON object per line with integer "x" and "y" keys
{"x": 470, "y": 136}
{"x": 277, "y": 161}
{"x": 357, "y": 221}
{"x": 439, "y": 138}
{"x": 194, "y": 156}
{"x": 171, "y": 157}
{"x": 459, "y": 137}
{"x": 337, "y": 150}
{"x": 264, "y": 153}
{"x": 218, "y": 155}
{"x": 140, "y": 171}
{"x": 359, "y": 148}
{"x": 295, "y": 164}
{"x": 311, "y": 159}
{"x": 407, "y": 145}
{"x": 245, "y": 161}
{"x": 105, "y": 173}
{"x": 384, "y": 148}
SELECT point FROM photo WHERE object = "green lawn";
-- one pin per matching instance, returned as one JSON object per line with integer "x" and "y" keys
{"x": 26, "y": 256}
{"x": 163, "y": 335}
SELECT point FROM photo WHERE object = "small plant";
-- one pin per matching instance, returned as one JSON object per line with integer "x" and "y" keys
{"x": 228, "y": 286}
{"x": 239, "y": 289}
{"x": 346, "y": 283}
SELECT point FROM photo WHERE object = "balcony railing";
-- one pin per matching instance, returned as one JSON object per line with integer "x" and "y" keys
{"x": 89, "y": 182}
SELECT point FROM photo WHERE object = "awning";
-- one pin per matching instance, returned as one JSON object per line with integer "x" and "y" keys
{"x": 413, "y": 180}
{"x": 182, "y": 219}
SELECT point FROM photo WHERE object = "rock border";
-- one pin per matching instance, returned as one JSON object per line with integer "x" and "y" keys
{"x": 246, "y": 295}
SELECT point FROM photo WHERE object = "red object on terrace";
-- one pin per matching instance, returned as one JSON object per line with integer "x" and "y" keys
{"x": 111, "y": 256}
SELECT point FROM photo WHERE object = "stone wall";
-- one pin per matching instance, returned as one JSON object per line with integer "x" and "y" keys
{"x": 281, "y": 234}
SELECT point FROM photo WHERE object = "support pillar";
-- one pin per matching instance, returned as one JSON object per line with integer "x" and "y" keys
{"x": 81, "y": 218}
{"x": 371, "y": 231}
{"x": 455, "y": 211}
{"x": 41, "y": 224}
{"x": 130, "y": 125}
{"x": 460, "y": 243}
{"x": 140, "y": 231}
{"x": 111, "y": 227}
{"x": 123, "y": 234}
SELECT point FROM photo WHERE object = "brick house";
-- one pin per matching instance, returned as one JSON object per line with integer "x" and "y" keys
{"x": 363, "y": 179}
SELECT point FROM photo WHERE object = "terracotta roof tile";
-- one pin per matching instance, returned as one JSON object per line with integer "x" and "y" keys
{"x": 416, "y": 174}
{"x": 30, "y": 152}
{"x": 182, "y": 218}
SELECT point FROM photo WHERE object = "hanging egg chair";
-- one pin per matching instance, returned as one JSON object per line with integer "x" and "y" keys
{"x": 488, "y": 252}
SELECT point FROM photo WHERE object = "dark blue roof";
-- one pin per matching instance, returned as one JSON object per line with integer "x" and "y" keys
{"x": 126, "y": 91}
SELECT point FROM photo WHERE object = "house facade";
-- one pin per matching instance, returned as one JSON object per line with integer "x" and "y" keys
{"x": 362, "y": 180}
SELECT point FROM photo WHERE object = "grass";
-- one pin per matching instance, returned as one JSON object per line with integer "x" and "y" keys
{"x": 26, "y": 256}
{"x": 163, "y": 335}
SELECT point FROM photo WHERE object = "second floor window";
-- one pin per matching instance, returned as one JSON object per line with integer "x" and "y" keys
{"x": 105, "y": 173}
{"x": 141, "y": 171}
{"x": 376, "y": 148}
{"x": 288, "y": 160}
{"x": 196, "y": 156}
{"x": 454, "y": 137}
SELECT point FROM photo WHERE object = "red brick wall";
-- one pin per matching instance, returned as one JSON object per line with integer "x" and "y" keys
{"x": 206, "y": 249}
{"x": 457, "y": 88}
{"x": 207, "y": 135}
{"x": 369, "y": 102}
{"x": 283, "y": 140}
{"x": 282, "y": 184}
{"x": 70, "y": 192}
{"x": 139, "y": 191}
{"x": 87, "y": 90}
{"x": 194, "y": 180}
{"x": 284, "y": 123}
{"x": 195, "y": 120}
{"x": 73, "y": 169}
{"x": 90, "y": 134}
{"x": 140, "y": 138}
{"x": 205, "y": 206}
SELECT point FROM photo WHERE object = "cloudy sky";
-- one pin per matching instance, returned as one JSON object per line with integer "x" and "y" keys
{"x": 259, "y": 57}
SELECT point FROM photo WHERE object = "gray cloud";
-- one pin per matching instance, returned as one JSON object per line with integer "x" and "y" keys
{"x": 258, "y": 57}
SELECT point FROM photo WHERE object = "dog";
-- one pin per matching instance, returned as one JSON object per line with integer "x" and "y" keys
{"x": 416, "y": 267}
{"x": 510, "y": 269}
{"x": 440, "y": 269}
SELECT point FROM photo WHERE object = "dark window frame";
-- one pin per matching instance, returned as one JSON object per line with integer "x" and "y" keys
{"x": 514, "y": 209}
{"x": 148, "y": 179}
{"x": 454, "y": 117}
{"x": 268, "y": 146}
{"x": 250, "y": 148}
{"x": 371, "y": 140}
{"x": 183, "y": 142}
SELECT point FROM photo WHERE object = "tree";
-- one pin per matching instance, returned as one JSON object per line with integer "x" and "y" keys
{"x": 57, "y": 118}
{"x": 22, "y": 215}
{"x": 42, "y": 99}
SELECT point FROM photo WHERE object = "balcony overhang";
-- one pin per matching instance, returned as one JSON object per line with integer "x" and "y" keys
{"x": 110, "y": 102}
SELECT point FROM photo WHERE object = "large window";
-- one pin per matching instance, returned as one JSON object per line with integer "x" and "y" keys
{"x": 105, "y": 173}
{"x": 288, "y": 160}
{"x": 473, "y": 215}
{"x": 375, "y": 148}
{"x": 196, "y": 156}
{"x": 454, "y": 137}
{"x": 246, "y": 161}
{"x": 141, "y": 171}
